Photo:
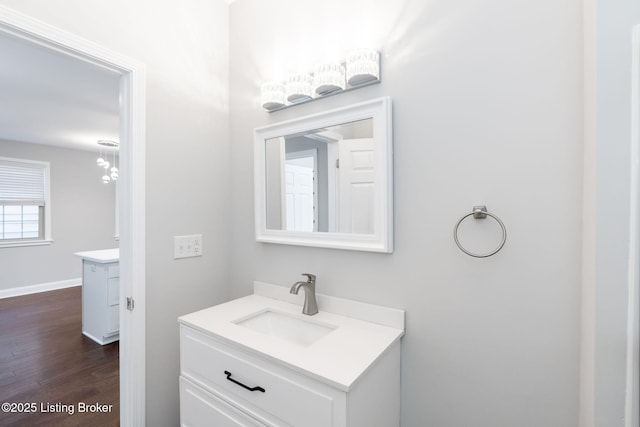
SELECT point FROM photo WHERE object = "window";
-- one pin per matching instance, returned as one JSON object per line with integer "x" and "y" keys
{"x": 24, "y": 202}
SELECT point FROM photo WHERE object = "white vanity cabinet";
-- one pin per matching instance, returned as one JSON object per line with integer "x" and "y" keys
{"x": 101, "y": 295}
{"x": 231, "y": 376}
{"x": 209, "y": 397}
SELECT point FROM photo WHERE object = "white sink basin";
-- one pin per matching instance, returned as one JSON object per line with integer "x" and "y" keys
{"x": 285, "y": 326}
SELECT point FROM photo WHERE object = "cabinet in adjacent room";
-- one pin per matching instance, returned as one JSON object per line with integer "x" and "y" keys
{"x": 100, "y": 296}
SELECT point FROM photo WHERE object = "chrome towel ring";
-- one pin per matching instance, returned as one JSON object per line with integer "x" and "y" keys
{"x": 480, "y": 212}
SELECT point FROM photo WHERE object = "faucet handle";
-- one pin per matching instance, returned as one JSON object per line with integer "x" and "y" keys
{"x": 311, "y": 278}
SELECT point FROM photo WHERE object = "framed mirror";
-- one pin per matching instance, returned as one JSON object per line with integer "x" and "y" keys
{"x": 325, "y": 180}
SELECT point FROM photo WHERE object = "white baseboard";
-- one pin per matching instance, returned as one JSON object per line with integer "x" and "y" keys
{"x": 42, "y": 287}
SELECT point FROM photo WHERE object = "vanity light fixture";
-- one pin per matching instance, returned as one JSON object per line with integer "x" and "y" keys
{"x": 361, "y": 68}
{"x": 101, "y": 162}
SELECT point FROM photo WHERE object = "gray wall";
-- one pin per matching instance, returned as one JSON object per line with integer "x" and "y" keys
{"x": 487, "y": 100}
{"x": 184, "y": 45}
{"x": 82, "y": 217}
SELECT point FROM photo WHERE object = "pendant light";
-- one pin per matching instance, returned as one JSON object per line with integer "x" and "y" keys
{"x": 101, "y": 162}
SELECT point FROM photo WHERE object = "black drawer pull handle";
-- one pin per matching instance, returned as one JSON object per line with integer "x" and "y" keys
{"x": 257, "y": 388}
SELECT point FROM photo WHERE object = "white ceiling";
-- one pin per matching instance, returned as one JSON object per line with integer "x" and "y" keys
{"x": 49, "y": 98}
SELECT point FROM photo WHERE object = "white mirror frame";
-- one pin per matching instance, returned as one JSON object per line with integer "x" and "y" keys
{"x": 382, "y": 238}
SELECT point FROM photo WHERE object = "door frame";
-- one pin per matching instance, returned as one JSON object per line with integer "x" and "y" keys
{"x": 131, "y": 195}
{"x": 632, "y": 405}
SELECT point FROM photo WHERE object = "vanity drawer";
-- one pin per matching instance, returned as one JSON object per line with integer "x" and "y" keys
{"x": 287, "y": 396}
{"x": 199, "y": 408}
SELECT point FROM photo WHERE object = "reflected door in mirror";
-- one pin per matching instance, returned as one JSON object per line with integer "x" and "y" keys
{"x": 356, "y": 186}
{"x": 300, "y": 191}
{"x": 322, "y": 180}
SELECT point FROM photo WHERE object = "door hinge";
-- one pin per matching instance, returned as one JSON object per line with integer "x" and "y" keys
{"x": 130, "y": 303}
{"x": 337, "y": 163}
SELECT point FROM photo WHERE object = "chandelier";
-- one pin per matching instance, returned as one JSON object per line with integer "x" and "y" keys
{"x": 110, "y": 174}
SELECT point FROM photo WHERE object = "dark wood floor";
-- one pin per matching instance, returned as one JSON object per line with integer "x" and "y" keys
{"x": 45, "y": 359}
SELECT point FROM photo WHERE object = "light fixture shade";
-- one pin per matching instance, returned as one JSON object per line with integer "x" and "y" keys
{"x": 100, "y": 161}
{"x": 328, "y": 78}
{"x": 106, "y": 178}
{"x": 298, "y": 88}
{"x": 363, "y": 66}
{"x": 272, "y": 95}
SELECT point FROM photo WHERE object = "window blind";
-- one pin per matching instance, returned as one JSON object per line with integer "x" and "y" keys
{"x": 22, "y": 183}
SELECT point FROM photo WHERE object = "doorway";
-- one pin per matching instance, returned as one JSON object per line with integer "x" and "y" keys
{"x": 131, "y": 194}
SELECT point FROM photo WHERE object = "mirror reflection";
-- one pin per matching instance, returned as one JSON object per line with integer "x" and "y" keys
{"x": 322, "y": 180}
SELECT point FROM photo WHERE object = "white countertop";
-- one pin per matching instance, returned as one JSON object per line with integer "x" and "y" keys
{"x": 338, "y": 359}
{"x": 102, "y": 256}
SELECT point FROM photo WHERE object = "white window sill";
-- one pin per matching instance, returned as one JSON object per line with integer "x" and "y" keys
{"x": 15, "y": 244}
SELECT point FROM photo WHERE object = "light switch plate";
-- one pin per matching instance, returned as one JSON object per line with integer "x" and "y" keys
{"x": 187, "y": 246}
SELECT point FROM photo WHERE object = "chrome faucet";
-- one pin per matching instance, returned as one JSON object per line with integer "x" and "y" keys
{"x": 310, "y": 306}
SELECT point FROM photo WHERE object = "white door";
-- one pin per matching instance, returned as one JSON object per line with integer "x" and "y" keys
{"x": 300, "y": 194}
{"x": 355, "y": 186}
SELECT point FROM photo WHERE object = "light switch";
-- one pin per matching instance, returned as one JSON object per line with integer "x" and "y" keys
{"x": 187, "y": 246}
